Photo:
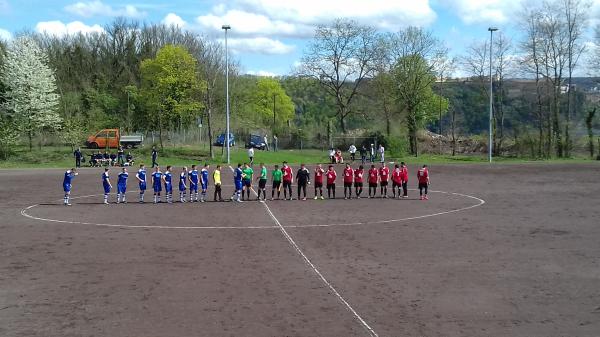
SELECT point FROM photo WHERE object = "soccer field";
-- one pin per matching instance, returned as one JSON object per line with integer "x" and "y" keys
{"x": 503, "y": 250}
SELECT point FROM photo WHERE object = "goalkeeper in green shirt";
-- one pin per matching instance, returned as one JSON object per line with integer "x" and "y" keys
{"x": 262, "y": 182}
{"x": 247, "y": 173}
{"x": 277, "y": 175}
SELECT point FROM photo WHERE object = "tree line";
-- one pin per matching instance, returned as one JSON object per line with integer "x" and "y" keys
{"x": 352, "y": 80}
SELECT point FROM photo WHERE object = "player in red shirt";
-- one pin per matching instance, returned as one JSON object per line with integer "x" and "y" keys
{"x": 288, "y": 179}
{"x": 358, "y": 181}
{"x": 423, "y": 177}
{"x": 373, "y": 176}
{"x": 331, "y": 175}
{"x": 396, "y": 180}
{"x": 404, "y": 170}
{"x": 348, "y": 180}
{"x": 384, "y": 176}
{"x": 319, "y": 172}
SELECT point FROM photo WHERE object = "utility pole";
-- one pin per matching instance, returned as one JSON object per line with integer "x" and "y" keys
{"x": 491, "y": 30}
{"x": 226, "y": 28}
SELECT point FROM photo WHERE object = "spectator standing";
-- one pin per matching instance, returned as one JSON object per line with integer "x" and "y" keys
{"x": 363, "y": 154}
{"x": 154, "y": 156}
{"x": 275, "y": 144}
{"x": 266, "y": 140}
{"x": 381, "y": 152}
{"x": 251, "y": 155}
{"x": 78, "y": 156}
{"x": 352, "y": 151}
{"x": 372, "y": 153}
{"x": 121, "y": 156}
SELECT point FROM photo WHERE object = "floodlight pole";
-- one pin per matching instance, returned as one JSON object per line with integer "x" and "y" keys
{"x": 491, "y": 30}
{"x": 226, "y": 28}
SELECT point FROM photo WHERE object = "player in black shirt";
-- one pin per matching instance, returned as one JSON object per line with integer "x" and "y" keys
{"x": 303, "y": 178}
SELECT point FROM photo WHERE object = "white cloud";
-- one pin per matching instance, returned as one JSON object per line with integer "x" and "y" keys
{"x": 262, "y": 73}
{"x": 259, "y": 45}
{"x": 98, "y": 8}
{"x": 5, "y": 34}
{"x": 246, "y": 23}
{"x": 298, "y": 18}
{"x": 484, "y": 11}
{"x": 57, "y": 28}
{"x": 173, "y": 19}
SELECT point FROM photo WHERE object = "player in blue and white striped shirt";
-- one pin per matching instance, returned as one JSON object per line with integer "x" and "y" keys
{"x": 193, "y": 179}
{"x": 122, "y": 186}
{"x": 69, "y": 175}
{"x": 157, "y": 178}
{"x": 182, "y": 185}
{"x": 106, "y": 184}
{"x": 204, "y": 181}
{"x": 141, "y": 177}
{"x": 168, "y": 180}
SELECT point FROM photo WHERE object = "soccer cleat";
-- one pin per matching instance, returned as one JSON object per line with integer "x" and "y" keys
{"x": 426, "y": 198}
{"x": 68, "y": 204}
{"x": 316, "y": 198}
{"x": 322, "y": 198}
{"x": 106, "y": 202}
{"x": 303, "y": 199}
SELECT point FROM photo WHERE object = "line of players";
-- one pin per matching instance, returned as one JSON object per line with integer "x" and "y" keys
{"x": 282, "y": 178}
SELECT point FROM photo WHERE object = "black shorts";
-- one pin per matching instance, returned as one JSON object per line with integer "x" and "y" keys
{"x": 395, "y": 184}
{"x": 347, "y": 185}
{"x": 319, "y": 185}
{"x": 287, "y": 184}
{"x": 358, "y": 184}
{"x": 276, "y": 184}
{"x": 423, "y": 185}
{"x": 247, "y": 182}
{"x": 372, "y": 184}
{"x": 383, "y": 183}
{"x": 330, "y": 186}
{"x": 262, "y": 183}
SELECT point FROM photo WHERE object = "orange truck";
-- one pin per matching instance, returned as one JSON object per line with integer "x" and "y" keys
{"x": 112, "y": 138}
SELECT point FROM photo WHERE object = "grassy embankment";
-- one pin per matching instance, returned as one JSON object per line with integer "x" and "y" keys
{"x": 62, "y": 157}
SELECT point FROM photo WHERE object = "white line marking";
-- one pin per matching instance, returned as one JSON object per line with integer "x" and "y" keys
{"x": 312, "y": 266}
{"x": 481, "y": 202}
{"x": 25, "y": 214}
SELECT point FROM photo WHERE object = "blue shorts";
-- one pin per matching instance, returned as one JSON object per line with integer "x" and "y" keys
{"x": 193, "y": 187}
{"x": 204, "y": 187}
{"x": 168, "y": 188}
{"x": 238, "y": 185}
{"x": 181, "y": 187}
{"x": 157, "y": 188}
{"x": 121, "y": 189}
{"x": 106, "y": 188}
{"x": 67, "y": 188}
{"x": 142, "y": 186}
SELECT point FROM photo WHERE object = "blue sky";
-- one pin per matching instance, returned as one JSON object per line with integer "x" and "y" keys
{"x": 268, "y": 36}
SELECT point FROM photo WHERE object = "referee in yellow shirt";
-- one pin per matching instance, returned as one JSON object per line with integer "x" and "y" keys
{"x": 217, "y": 180}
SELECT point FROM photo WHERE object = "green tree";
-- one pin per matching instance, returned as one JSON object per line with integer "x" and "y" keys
{"x": 417, "y": 58}
{"x": 171, "y": 89}
{"x": 270, "y": 103}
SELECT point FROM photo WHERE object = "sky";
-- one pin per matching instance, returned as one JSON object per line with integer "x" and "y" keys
{"x": 269, "y": 36}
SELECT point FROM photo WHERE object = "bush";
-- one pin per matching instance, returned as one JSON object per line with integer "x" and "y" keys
{"x": 397, "y": 146}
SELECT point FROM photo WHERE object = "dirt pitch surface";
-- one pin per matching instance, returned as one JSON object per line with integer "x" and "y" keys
{"x": 507, "y": 250}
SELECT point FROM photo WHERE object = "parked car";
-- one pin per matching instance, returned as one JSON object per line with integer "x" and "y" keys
{"x": 220, "y": 141}
{"x": 112, "y": 138}
{"x": 257, "y": 142}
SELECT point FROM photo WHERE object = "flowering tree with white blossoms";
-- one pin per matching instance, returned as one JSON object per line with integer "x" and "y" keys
{"x": 30, "y": 99}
